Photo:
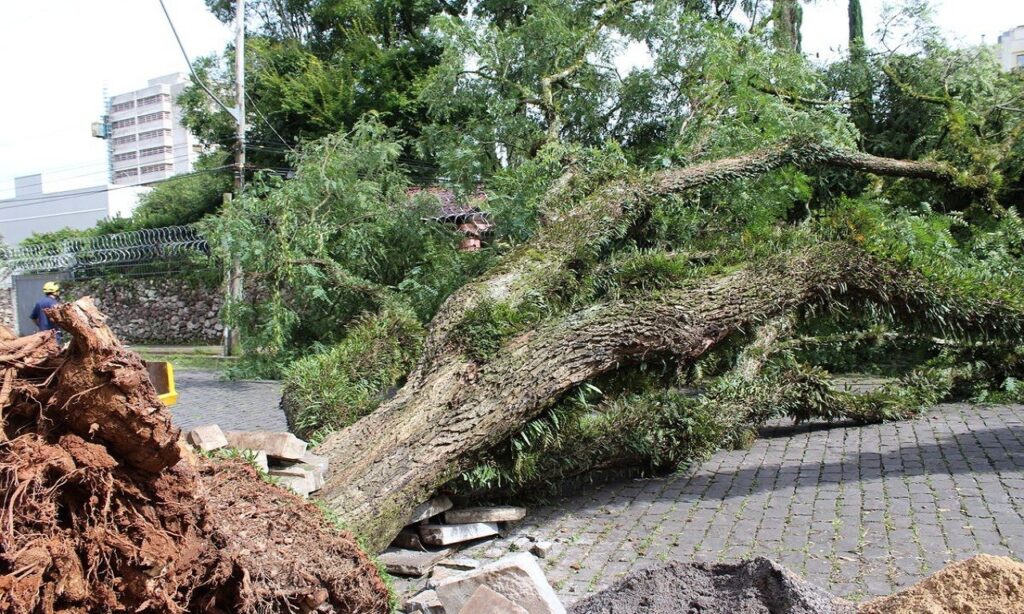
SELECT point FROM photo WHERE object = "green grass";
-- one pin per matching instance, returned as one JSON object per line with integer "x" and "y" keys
{"x": 180, "y": 361}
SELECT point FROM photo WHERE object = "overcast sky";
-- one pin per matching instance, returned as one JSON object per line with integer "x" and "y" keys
{"x": 60, "y": 55}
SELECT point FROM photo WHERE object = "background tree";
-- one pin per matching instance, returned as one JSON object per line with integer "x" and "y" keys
{"x": 787, "y": 17}
{"x": 314, "y": 67}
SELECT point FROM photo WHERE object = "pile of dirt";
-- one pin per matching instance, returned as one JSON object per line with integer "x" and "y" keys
{"x": 104, "y": 510}
{"x": 983, "y": 584}
{"x": 757, "y": 586}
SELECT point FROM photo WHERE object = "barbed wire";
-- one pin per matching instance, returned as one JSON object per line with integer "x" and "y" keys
{"x": 137, "y": 247}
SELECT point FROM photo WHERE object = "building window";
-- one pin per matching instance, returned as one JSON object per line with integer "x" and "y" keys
{"x": 123, "y": 123}
{"x": 121, "y": 140}
{"x": 156, "y": 168}
{"x": 123, "y": 106}
{"x": 153, "y": 117}
{"x": 154, "y": 134}
{"x": 1020, "y": 61}
{"x": 125, "y": 156}
{"x": 153, "y": 99}
{"x": 128, "y": 172}
{"x": 155, "y": 151}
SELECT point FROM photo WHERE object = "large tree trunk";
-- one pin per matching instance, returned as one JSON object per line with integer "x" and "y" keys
{"x": 453, "y": 407}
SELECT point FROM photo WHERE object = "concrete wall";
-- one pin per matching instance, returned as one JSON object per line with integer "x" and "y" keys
{"x": 156, "y": 310}
{"x": 1010, "y": 48}
{"x": 33, "y": 210}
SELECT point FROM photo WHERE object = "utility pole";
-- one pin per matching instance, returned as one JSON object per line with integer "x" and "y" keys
{"x": 234, "y": 289}
{"x": 240, "y": 92}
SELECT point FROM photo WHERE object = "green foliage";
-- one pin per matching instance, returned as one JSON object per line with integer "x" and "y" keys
{"x": 339, "y": 239}
{"x": 56, "y": 236}
{"x": 338, "y": 385}
{"x": 187, "y": 198}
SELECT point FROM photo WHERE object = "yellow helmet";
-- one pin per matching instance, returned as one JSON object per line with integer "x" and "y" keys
{"x": 51, "y": 287}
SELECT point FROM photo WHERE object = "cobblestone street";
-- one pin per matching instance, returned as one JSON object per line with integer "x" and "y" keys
{"x": 203, "y": 398}
{"x": 859, "y": 510}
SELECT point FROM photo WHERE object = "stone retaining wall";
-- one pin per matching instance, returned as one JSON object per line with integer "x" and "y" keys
{"x": 155, "y": 309}
{"x": 6, "y": 308}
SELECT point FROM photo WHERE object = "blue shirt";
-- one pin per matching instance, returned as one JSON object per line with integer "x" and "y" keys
{"x": 40, "y": 316}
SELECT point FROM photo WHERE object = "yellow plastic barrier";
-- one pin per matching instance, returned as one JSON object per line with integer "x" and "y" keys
{"x": 162, "y": 375}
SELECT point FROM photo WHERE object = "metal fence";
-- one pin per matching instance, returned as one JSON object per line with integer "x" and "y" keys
{"x": 156, "y": 251}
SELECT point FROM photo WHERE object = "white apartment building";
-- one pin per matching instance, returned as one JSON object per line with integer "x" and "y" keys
{"x": 148, "y": 142}
{"x": 1010, "y": 48}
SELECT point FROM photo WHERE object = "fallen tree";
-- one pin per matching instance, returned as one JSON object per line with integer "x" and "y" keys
{"x": 104, "y": 510}
{"x": 457, "y": 403}
{"x": 678, "y": 254}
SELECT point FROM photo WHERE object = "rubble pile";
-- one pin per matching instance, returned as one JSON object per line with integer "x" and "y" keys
{"x": 104, "y": 509}
{"x": 434, "y": 532}
{"x": 512, "y": 585}
{"x": 280, "y": 455}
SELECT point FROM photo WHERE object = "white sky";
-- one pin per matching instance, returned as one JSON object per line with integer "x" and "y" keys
{"x": 59, "y": 55}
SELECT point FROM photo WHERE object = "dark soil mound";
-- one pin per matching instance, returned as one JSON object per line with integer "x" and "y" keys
{"x": 103, "y": 511}
{"x": 758, "y": 586}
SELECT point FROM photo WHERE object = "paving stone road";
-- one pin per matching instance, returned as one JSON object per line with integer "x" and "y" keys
{"x": 203, "y": 398}
{"x": 860, "y": 511}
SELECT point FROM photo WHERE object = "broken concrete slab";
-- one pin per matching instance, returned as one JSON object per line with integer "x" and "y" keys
{"x": 409, "y": 539}
{"x": 433, "y": 507}
{"x": 314, "y": 471}
{"x": 518, "y": 578}
{"x": 541, "y": 549}
{"x": 439, "y": 573}
{"x": 277, "y": 444}
{"x": 487, "y": 601}
{"x": 485, "y": 514}
{"x": 320, "y": 462}
{"x": 411, "y": 562}
{"x": 207, "y": 438}
{"x": 444, "y": 534}
{"x": 426, "y": 602}
{"x": 299, "y": 472}
{"x": 297, "y": 484}
{"x": 462, "y": 564}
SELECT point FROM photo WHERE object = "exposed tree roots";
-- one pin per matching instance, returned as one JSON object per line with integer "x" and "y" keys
{"x": 102, "y": 510}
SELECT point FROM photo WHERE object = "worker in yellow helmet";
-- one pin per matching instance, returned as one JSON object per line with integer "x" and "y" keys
{"x": 52, "y": 299}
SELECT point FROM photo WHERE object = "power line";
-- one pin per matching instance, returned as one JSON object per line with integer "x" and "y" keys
{"x": 189, "y": 62}
{"x": 267, "y": 122}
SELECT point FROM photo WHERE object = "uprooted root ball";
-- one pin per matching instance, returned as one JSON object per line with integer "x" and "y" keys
{"x": 102, "y": 510}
